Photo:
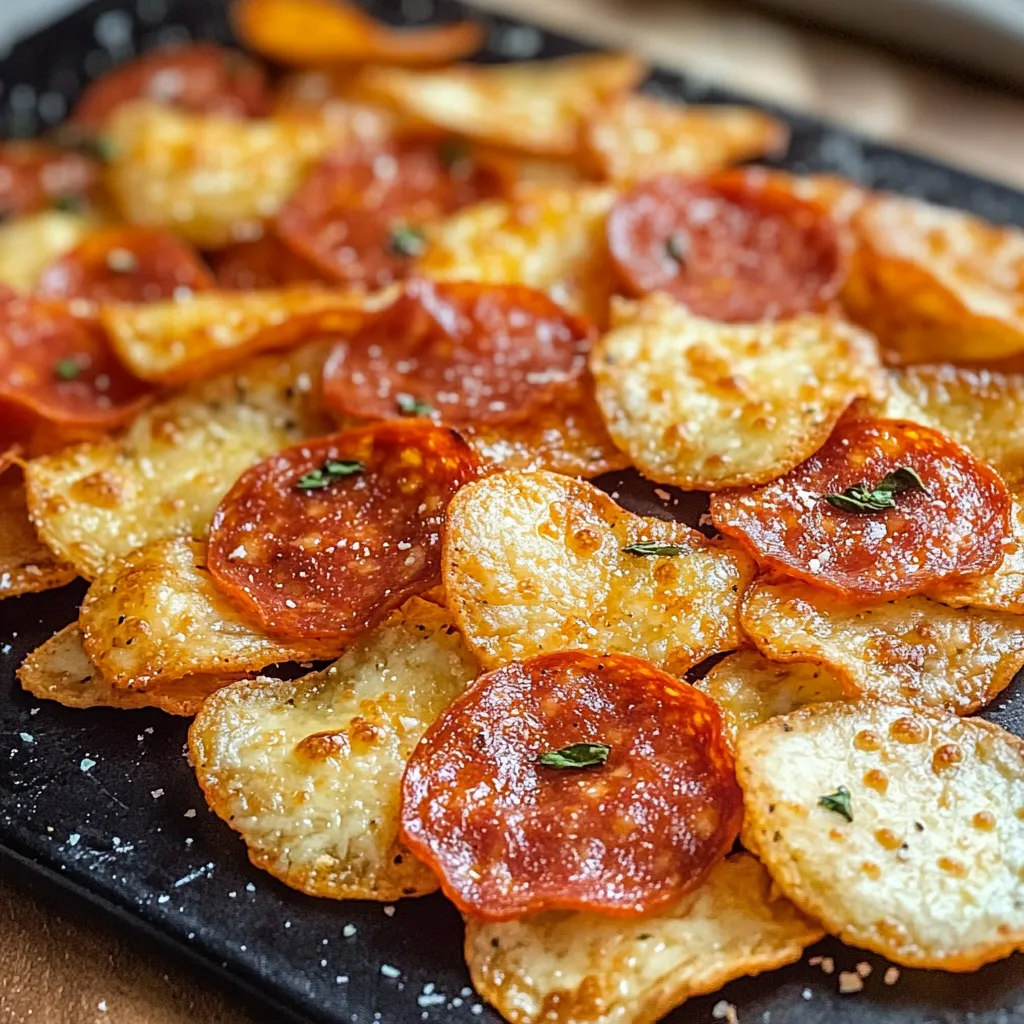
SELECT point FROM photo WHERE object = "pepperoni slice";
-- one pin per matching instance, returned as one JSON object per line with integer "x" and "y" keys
{"x": 126, "y": 264}
{"x": 509, "y": 836}
{"x": 358, "y": 215}
{"x": 958, "y": 526}
{"x": 324, "y": 539}
{"x": 37, "y": 175}
{"x": 463, "y": 351}
{"x": 263, "y": 263}
{"x": 733, "y": 249}
{"x": 200, "y": 77}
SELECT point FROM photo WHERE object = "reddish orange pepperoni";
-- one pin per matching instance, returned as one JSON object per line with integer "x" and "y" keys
{"x": 324, "y": 539}
{"x": 959, "y": 526}
{"x": 734, "y": 248}
{"x": 263, "y": 263}
{"x": 199, "y": 77}
{"x": 359, "y": 214}
{"x": 509, "y": 836}
{"x": 126, "y": 264}
{"x": 464, "y": 352}
{"x": 36, "y": 175}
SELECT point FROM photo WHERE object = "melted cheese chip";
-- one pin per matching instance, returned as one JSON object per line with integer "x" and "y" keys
{"x": 578, "y": 968}
{"x": 29, "y": 244}
{"x": 60, "y": 670}
{"x": 705, "y": 405}
{"x": 27, "y": 565}
{"x": 535, "y": 562}
{"x": 156, "y": 614}
{"x": 165, "y": 476}
{"x": 913, "y": 651}
{"x": 928, "y": 871}
{"x": 309, "y": 771}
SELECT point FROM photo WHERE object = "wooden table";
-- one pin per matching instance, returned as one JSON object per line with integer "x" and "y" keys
{"x": 66, "y": 965}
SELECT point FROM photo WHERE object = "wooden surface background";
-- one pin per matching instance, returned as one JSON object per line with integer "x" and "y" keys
{"x": 61, "y": 964}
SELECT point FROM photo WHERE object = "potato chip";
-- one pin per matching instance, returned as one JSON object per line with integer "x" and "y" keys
{"x": 211, "y": 179}
{"x": 165, "y": 476}
{"x": 29, "y": 244}
{"x": 750, "y": 689}
{"x": 936, "y": 284}
{"x": 707, "y": 405}
{"x": 530, "y": 106}
{"x": 536, "y": 562}
{"x": 157, "y": 615}
{"x": 902, "y": 831}
{"x": 27, "y": 565}
{"x": 566, "y": 967}
{"x": 913, "y": 650}
{"x": 548, "y": 237}
{"x": 309, "y": 771}
{"x": 60, "y": 670}
{"x": 175, "y": 342}
{"x": 641, "y": 137}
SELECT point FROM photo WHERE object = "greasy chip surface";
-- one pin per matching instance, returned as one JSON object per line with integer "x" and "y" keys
{"x": 912, "y": 651}
{"x": 928, "y": 872}
{"x": 26, "y": 564}
{"x": 309, "y": 771}
{"x": 703, "y": 404}
{"x": 509, "y": 835}
{"x": 958, "y": 526}
{"x": 311, "y": 551}
{"x": 156, "y": 615}
{"x": 29, "y": 244}
{"x": 534, "y": 562}
{"x": 567, "y": 967}
{"x": 165, "y": 476}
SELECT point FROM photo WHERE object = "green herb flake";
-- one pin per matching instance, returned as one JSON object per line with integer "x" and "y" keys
{"x": 676, "y": 246}
{"x": 576, "y": 755}
{"x": 651, "y": 548}
{"x": 76, "y": 140}
{"x": 66, "y": 369}
{"x": 68, "y": 204}
{"x": 838, "y": 802}
{"x": 406, "y": 241}
{"x": 327, "y": 474}
{"x": 864, "y": 500}
{"x": 409, "y": 405}
{"x": 452, "y": 152}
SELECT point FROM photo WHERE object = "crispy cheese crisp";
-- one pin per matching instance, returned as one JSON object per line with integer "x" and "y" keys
{"x": 27, "y": 565}
{"x": 536, "y": 562}
{"x": 29, "y": 244}
{"x": 899, "y": 830}
{"x": 913, "y": 650}
{"x": 705, "y": 405}
{"x": 566, "y": 967}
{"x": 308, "y": 771}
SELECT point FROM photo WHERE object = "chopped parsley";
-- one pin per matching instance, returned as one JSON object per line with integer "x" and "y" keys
{"x": 864, "y": 500}
{"x": 677, "y": 246}
{"x": 653, "y": 548}
{"x": 452, "y": 152}
{"x": 78, "y": 141}
{"x": 406, "y": 240}
{"x": 576, "y": 755}
{"x": 68, "y": 204}
{"x": 409, "y": 405}
{"x": 66, "y": 369}
{"x": 331, "y": 470}
{"x": 838, "y": 802}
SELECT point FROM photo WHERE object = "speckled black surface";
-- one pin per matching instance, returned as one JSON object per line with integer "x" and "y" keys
{"x": 105, "y": 801}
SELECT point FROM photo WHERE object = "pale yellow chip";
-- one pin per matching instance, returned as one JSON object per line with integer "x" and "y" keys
{"x": 29, "y": 244}
{"x": 638, "y": 137}
{"x": 27, "y": 565}
{"x": 705, "y": 405}
{"x": 212, "y": 180}
{"x": 530, "y": 106}
{"x": 534, "y": 562}
{"x": 750, "y": 689}
{"x": 936, "y": 284}
{"x": 165, "y": 476}
{"x": 309, "y": 771}
{"x": 60, "y": 670}
{"x": 175, "y": 342}
{"x": 565, "y": 967}
{"x": 547, "y": 237}
{"x": 928, "y": 871}
{"x": 156, "y": 614}
{"x": 913, "y": 650}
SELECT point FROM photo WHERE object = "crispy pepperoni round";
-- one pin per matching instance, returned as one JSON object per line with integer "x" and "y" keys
{"x": 37, "y": 175}
{"x": 126, "y": 264}
{"x": 263, "y": 263}
{"x": 465, "y": 352}
{"x": 508, "y": 835}
{"x": 200, "y": 77}
{"x": 324, "y": 539}
{"x": 359, "y": 215}
{"x": 733, "y": 249}
{"x": 959, "y": 525}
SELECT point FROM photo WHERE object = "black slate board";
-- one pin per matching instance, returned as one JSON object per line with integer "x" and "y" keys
{"x": 104, "y": 802}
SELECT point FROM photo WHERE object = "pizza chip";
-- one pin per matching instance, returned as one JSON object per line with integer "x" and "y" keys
{"x": 705, "y": 405}
{"x": 29, "y": 244}
{"x": 913, "y": 650}
{"x": 309, "y": 771}
{"x": 535, "y": 562}
{"x": 573, "y": 967}
{"x": 901, "y": 831}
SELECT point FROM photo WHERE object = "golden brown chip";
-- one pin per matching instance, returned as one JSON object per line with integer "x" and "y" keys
{"x": 536, "y": 562}
{"x": 29, "y": 244}
{"x": 913, "y": 650}
{"x": 704, "y": 405}
{"x": 902, "y": 831}
{"x": 309, "y": 771}
{"x": 565, "y": 967}
{"x": 27, "y": 565}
